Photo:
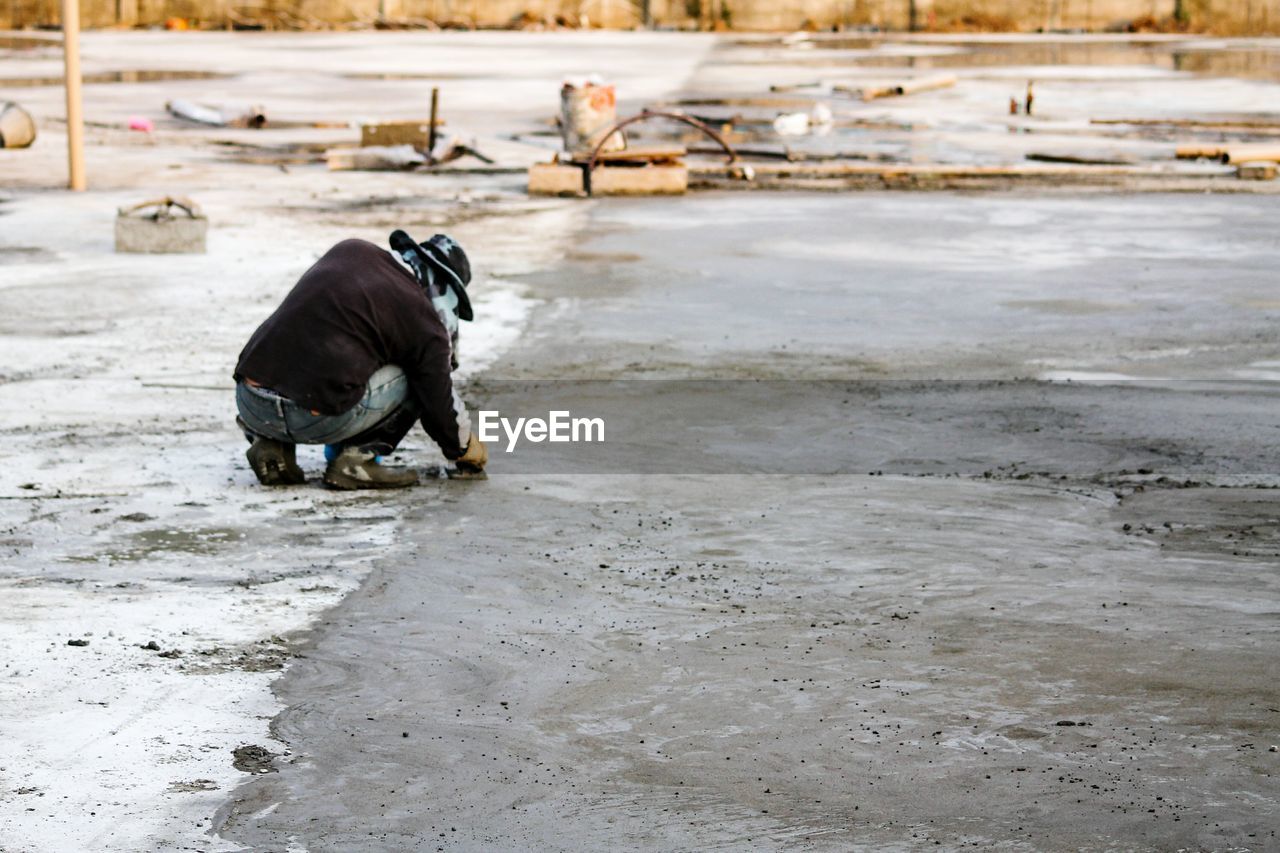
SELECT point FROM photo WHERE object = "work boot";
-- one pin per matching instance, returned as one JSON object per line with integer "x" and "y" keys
{"x": 274, "y": 462}
{"x": 354, "y": 468}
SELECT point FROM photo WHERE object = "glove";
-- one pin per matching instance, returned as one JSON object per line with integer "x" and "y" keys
{"x": 476, "y": 456}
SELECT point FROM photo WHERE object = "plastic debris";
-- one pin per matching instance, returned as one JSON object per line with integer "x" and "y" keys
{"x": 17, "y": 127}
{"x": 254, "y": 117}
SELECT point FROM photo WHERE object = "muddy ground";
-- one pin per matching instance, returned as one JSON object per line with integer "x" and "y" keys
{"x": 1029, "y": 614}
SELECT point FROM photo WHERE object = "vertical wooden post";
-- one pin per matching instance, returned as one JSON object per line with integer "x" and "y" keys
{"x": 127, "y": 12}
{"x": 435, "y": 112}
{"x": 75, "y": 110}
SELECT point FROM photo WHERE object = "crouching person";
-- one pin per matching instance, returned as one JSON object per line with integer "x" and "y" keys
{"x": 362, "y": 348}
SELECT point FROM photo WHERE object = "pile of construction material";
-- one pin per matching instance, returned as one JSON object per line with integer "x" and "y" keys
{"x": 597, "y": 158}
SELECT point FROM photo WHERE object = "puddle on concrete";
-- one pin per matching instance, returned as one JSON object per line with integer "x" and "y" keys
{"x": 1250, "y": 61}
{"x": 148, "y": 543}
{"x": 112, "y": 77}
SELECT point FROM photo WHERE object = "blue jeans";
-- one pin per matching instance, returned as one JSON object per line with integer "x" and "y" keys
{"x": 382, "y": 417}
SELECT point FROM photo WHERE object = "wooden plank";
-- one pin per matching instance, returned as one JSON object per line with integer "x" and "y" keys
{"x": 1269, "y": 152}
{"x": 560, "y": 179}
{"x": 1199, "y": 152}
{"x": 905, "y": 87}
{"x": 1206, "y": 124}
{"x": 949, "y": 170}
{"x": 1231, "y": 153}
{"x": 651, "y": 153}
{"x": 415, "y": 133}
{"x": 1086, "y": 158}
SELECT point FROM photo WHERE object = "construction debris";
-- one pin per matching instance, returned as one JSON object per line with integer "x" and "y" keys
{"x": 453, "y": 148}
{"x": 816, "y": 85}
{"x": 416, "y": 134}
{"x": 1023, "y": 107}
{"x": 644, "y": 154}
{"x": 17, "y": 128}
{"x": 893, "y": 90}
{"x": 792, "y": 155}
{"x": 1264, "y": 170}
{"x": 1102, "y": 158}
{"x": 1231, "y": 152}
{"x": 837, "y": 175}
{"x": 588, "y": 108}
{"x": 817, "y": 120}
{"x": 254, "y": 118}
{"x": 567, "y": 179}
{"x": 168, "y": 225}
{"x": 380, "y": 158}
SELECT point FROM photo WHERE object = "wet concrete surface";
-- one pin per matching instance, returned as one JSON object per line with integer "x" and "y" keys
{"x": 888, "y": 286}
{"x": 1043, "y": 618}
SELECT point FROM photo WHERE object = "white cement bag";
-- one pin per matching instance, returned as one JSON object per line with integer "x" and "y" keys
{"x": 17, "y": 128}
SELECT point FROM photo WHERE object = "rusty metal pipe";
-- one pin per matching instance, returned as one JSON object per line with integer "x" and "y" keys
{"x": 645, "y": 115}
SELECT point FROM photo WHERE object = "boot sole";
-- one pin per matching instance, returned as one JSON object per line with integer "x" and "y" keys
{"x": 272, "y": 469}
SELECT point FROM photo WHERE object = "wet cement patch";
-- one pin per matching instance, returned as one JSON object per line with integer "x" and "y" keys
{"x": 150, "y": 544}
{"x": 882, "y": 285}
{"x": 992, "y": 651}
{"x": 253, "y": 759}
{"x": 1236, "y": 522}
{"x": 787, "y": 663}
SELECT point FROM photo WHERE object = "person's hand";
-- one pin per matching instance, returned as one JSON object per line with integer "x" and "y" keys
{"x": 476, "y": 456}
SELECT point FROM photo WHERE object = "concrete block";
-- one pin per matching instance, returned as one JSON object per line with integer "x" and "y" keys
{"x": 1257, "y": 170}
{"x": 160, "y": 227}
{"x": 559, "y": 179}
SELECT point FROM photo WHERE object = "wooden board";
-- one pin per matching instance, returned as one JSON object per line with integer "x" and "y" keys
{"x": 558, "y": 179}
{"x": 650, "y": 153}
{"x": 892, "y": 90}
{"x": 413, "y": 133}
{"x": 937, "y": 175}
{"x": 1232, "y": 152}
{"x": 1249, "y": 153}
